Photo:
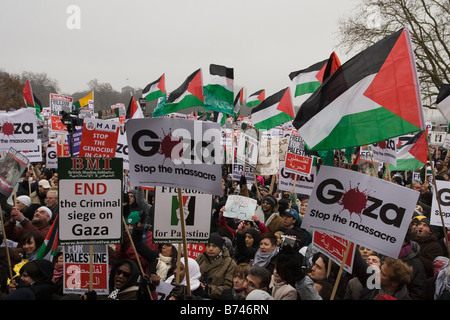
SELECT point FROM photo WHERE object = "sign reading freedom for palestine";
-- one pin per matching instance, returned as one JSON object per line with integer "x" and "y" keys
{"x": 90, "y": 200}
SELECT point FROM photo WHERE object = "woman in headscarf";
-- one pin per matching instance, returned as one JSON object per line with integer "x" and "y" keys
{"x": 123, "y": 281}
{"x": 194, "y": 279}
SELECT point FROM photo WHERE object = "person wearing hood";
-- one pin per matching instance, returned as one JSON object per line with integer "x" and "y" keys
{"x": 216, "y": 267}
{"x": 123, "y": 281}
{"x": 194, "y": 279}
{"x": 35, "y": 282}
{"x": 247, "y": 243}
{"x": 429, "y": 245}
{"x": 409, "y": 254}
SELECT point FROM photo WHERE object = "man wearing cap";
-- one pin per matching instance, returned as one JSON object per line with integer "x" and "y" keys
{"x": 40, "y": 223}
{"x": 291, "y": 226}
{"x": 38, "y": 196}
{"x": 429, "y": 245}
{"x": 216, "y": 267}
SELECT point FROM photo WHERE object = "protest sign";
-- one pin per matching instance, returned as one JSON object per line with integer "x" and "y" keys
{"x": 298, "y": 164}
{"x": 334, "y": 248}
{"x": 77, "y": 266}
{"x": 357, "y": 207}
{"x": 268, "y": 156}
{"x": 237, "y": 172}
{"x": 59, "y": 103}
{"x": 51, "y": 159}
{"x": 240, "y": 207}
{"x": 385, "y": 151}
{"x": 303, "y": 184}
{"x": 443, "y": 193}
{"x": 176, "y": 153}
{"x": 18, "y": 129}
{"x": 247, "y": 150}
{"x": 90, "y": 200}
{"x": 56, "y": 124}
{"x": 196, "y": 211}
{"x": 99, "y": 138}
{"x": 11, "y": 169}
{"x": 122, "y": 149}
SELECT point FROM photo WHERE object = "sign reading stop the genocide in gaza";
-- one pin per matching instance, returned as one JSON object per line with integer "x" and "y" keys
{"x": 90, "y": 200}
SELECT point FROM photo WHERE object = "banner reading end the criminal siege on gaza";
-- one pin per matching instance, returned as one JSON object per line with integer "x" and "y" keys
{"x": 18, "y": 129}
{"x": 196, "y": 211}
{"x": 175, "y": 153}
{"x": 368, "y": 211}
{"x": 90, "y": 200}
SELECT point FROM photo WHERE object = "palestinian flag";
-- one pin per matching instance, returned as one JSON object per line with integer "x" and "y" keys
{"x": 49, "y": 248}
{"x": 238, "y": 101}
{"x": 443, "y": 101}
{"x": 413, "y": 154}
{"x": 309, "y": 79}
{"x": 256, "y": 98}
{"x": 372, "y": 97}
{"x": 219, "y": 93}
{"x": 134, "y": 110}
{"x": 84, "y": 102}
{"x": 155, "y": 90}
{"x": 189, "y": 94}
{"x": 31, "y": 100}
{"x": 273, "y": 111}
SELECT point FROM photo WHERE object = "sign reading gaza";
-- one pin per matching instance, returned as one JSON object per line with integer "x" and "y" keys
{"x": 175, "y": 153}
{"x": 90, "y": 200}
{"x": 368, "y": 211}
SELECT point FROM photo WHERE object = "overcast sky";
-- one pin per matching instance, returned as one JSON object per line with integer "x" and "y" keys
{"x": 133, "y": 42}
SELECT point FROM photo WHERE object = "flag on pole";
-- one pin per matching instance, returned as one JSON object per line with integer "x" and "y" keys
{"x": 84, "y": 102}
{"x": 219, "y": 93}
{"x": 238, "y": 101}
{"x": 31, "y": 100}
{"x": 189, "y": 94}
{"x": 413, "y": 154}
{"x": 134, "y": 110}
{"x": 273, "y": 111}
{"x": 309, "y": 79}
{"x": 49, "y": 247}
{"x": 256, "y": 98}
{"x": 443, "y": 101}
{"x": 372, "y": 97}
{"x": 159, "y": 109}
{"x": 155, "y": 90}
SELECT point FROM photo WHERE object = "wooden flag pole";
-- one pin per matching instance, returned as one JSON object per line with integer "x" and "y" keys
{"x": 183, "y": 232}
{"x": 177, "y": 278}
{"x": 8, "y": 258}
{"x": 137, "y": 255}
{"x": 91, "y": 267}
{"x": 349, "y": 244}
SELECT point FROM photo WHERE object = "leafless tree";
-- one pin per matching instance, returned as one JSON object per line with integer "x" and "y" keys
{"x": 429, "y": 24}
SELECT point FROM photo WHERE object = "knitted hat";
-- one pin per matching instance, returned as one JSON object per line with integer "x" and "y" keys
{"x": 133, "y": 217}
{"x": 427, "y": 222}
{"x": 26, "y": 200}
{"x": 216, "y": 239}
{"x": 270, "y": 200}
